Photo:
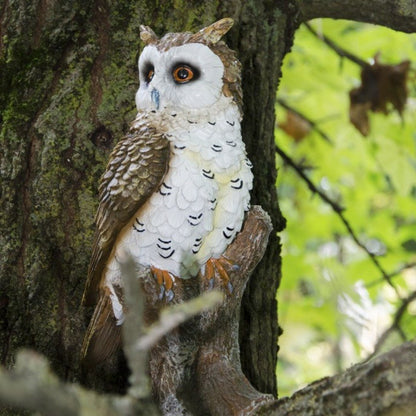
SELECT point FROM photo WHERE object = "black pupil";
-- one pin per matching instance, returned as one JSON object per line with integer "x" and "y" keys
{"x": 183, "y": 73}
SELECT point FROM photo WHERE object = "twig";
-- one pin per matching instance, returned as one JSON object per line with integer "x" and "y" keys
{"x": 395, "y": 326}
{"x": 175, "y": 315}
{"x": 340, "y": 51}
{"x": 339, "y": 211}
{"x": 133, "y": 328}
{"x": 392, "y": 274}
{"x": 32, "y": 386}
{"x": 312, "y": 123}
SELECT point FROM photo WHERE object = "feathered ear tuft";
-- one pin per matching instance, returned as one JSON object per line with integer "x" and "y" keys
{"x": 213, "y": 33}
{"x": 147, "y": 35}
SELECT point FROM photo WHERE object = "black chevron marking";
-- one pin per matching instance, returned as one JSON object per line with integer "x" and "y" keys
{"x": 213, "y": 123}
{"x": 164, "y": 241}
{"x": 208, "y": 174}
{"x": 248, "y": 163}
{"x": 180, "y": 147}
{"x": 216, "y": 148}
{"x": 194, "y": 220}
{"x": 165, "y": 186}
{"x": 231, "y": 123}
{"x": 237, "y": 183}
{"x": 169, "y": 255}
{"x": 140, "y": 224}
{"x": 192, "y": 122}
{"x": 197, "y": 245}
{"x": 226, "y": 235}
{"x": 214, "y": 204}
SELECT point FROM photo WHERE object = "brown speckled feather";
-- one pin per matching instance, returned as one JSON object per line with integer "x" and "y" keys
{"x": 135, "y": 170}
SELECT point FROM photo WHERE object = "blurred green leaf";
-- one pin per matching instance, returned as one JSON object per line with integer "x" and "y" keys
{"x": 373, "y": 178}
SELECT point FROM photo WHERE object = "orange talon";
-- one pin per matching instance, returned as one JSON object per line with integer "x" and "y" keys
{"x": 216, "y": 268}
{"x": 223, "y": 275}
{"x": 165, "y": 280}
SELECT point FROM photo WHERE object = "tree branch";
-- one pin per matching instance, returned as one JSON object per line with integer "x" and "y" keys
{"x": 196, "y": 368}
{"x": 395, "y": 14}
{"x": 343, "y": 53}
{"x": 339, "y": 212}
{"x": 384, "y": 386}
{"x": 395, "y": 326}
{"x": 313, "y": 124}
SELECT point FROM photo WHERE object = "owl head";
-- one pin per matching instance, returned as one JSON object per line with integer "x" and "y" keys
{"x": 187, "y": 70}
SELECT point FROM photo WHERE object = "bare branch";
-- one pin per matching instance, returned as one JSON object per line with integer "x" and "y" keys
{"x": 383, "y": 386}
{"x": 394, "y": 273}
{"x": 133, "y": 328}
{"x": 313, "y": 124}
{"x": 343, "y": 53}
{"x": 339, "y": 211}
{"x": 396, "y": 14}
{"x": 32, "y": 386}
{"x": 175, "y": 315}
{"x": 395, "y": 326}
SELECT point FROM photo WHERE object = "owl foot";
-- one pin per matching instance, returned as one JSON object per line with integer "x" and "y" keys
{"x": 216, "y": 268}
{"x": 166, "y": 281}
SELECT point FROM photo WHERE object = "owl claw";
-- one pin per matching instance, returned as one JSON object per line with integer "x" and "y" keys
{"x": 169, "y": 295}
{"x": 161, "y": 292}
{"x": 215, "y": 268}
{"x": 166, "y": 281}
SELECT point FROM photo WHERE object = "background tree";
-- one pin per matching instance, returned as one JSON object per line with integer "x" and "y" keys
{"x": 68, "y": 77}
{"x": 349, "y": 199}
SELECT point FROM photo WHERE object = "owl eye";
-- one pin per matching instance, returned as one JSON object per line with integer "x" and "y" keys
{"x": 183, "y": 74}
{"x": 149, "y": 75}
{"x": 149, "y": 72}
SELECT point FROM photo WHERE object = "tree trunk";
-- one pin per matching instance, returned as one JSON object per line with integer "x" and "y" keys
{"x": 67, "y": 83}
{"x": 68, "y": 78}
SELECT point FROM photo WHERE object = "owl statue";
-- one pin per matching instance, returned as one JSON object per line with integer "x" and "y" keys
{"x": 177, "y": 186}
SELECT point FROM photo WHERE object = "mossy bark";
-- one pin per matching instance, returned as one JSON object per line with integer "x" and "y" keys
{"x": 67, "y": 83}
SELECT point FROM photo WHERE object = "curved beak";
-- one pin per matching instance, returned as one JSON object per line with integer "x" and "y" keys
{"x": 155, "y": 97}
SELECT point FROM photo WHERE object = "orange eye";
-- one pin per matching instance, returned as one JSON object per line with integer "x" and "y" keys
{"x": 149, "y": 75}
{"x": 182, "y": 74}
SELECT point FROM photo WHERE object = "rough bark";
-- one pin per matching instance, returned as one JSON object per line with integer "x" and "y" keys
{"x": 385, "y": 386}
{"x": 197, "y": 366}
{"x": 395, "y": 14}
{"x": 68, "y": 78}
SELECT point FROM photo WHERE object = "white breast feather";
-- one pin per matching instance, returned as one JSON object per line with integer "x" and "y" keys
{"x": 200, "y": 205}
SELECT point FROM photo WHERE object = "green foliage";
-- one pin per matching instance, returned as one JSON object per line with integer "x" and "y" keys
{"x": 331, "y": 312}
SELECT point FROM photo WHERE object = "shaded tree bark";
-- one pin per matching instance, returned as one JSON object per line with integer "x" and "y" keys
{"x": 68, "y": 78}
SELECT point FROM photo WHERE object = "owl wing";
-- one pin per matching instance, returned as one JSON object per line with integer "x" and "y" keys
{"x": 136, "y": 168}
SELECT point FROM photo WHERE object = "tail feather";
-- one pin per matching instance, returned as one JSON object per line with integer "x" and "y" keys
{"x": 103, "y": 336}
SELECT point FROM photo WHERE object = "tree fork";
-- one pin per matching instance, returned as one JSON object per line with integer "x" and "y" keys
{"x": 197, "y": 366}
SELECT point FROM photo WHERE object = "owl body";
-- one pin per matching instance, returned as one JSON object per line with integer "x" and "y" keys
{"x": 176, "y": 187}
{"x": 199, "y": 207}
